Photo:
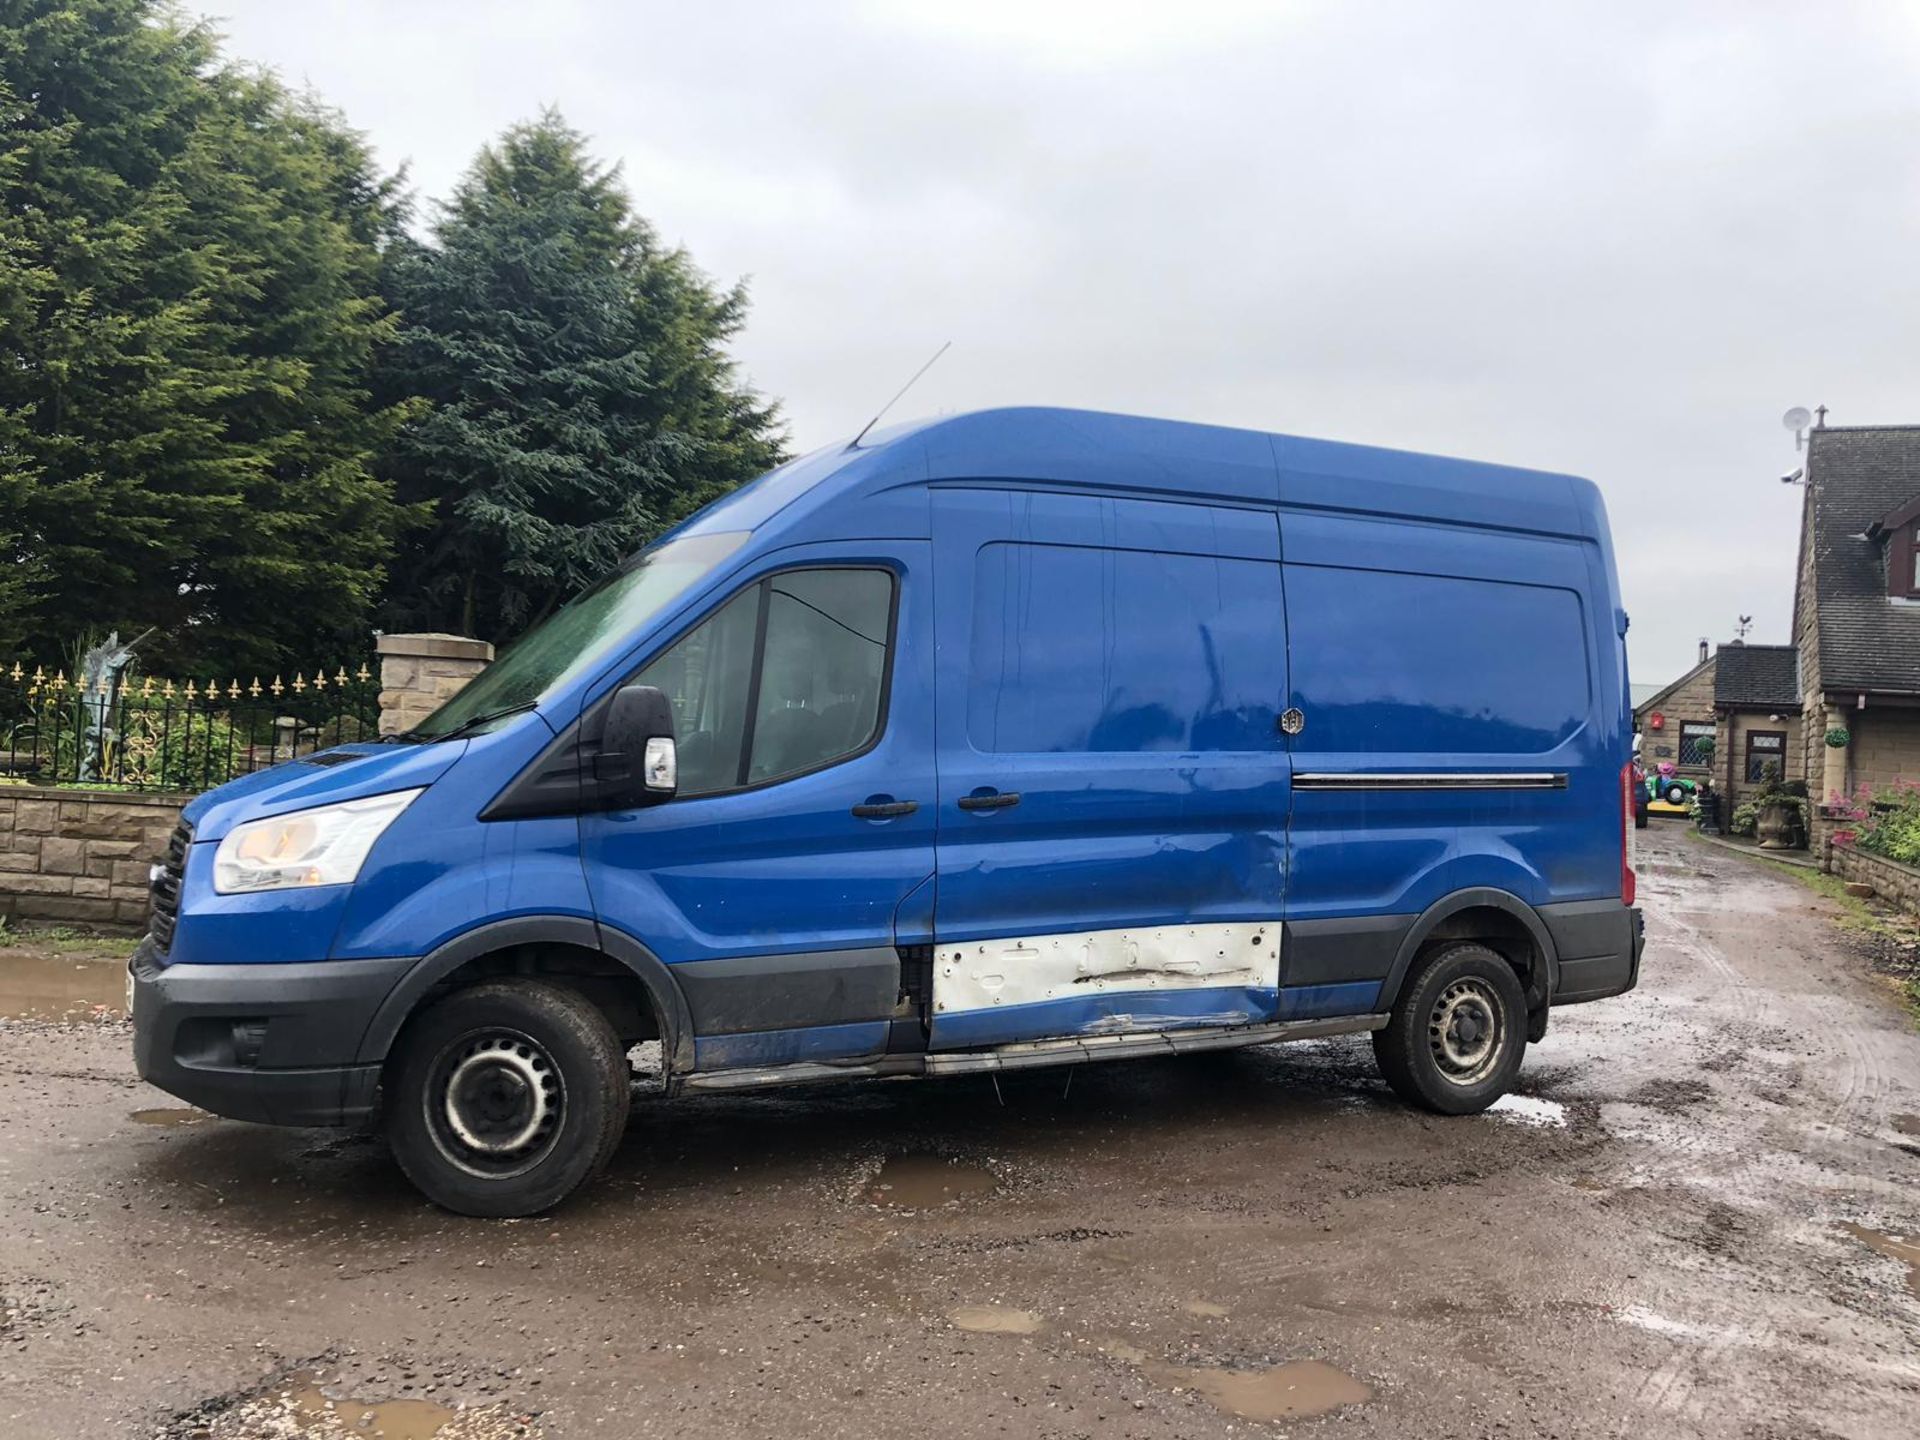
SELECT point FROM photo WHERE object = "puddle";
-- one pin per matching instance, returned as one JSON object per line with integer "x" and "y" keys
{"x": 298, "y": 1408}
{"x": 994, "y": 1320}
{"x": 1284, "y": 1392}
{"x": 1530, "y": 1110}
{"x": 50, "y": 987}
{"x": 1205, "y": 1310}
{"x": 1905, "y": 1248}
{"x": 384, "y": 1419}
{"x": 168, "y": 1117}
{"x": 1907, "y": 1124}
{"x": 926, "y": 1182}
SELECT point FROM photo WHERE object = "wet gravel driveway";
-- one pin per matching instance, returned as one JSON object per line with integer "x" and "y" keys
{"x": 1693, "y": 1222}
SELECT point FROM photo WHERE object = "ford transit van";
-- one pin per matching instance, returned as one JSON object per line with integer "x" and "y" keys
{"x": 1014, "y": 739}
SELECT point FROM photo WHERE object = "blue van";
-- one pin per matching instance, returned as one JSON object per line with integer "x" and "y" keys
{"x": 1023, "y": 738}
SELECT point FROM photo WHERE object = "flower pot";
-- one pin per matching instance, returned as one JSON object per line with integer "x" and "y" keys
{"x": 1776, "y": 827}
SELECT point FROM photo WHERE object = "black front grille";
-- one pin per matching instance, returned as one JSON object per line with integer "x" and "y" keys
{"x": 166, "y": 887}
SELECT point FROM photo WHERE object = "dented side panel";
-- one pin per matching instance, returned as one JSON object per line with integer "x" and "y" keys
{"x": 1105, "y": 982}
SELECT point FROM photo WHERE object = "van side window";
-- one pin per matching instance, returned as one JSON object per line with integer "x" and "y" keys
{"x": 1406, "y": 664}
{"x": 786, "y": 677}
{"x": 825, "y": 656}
{"x": 708, "y": 677}
{"x": 1080, "y": 649}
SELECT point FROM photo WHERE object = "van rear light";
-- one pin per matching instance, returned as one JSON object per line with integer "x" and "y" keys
{"x": 1627, "y": 882}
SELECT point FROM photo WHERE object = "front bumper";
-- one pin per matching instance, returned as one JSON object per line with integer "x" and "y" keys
{"x": 270, "y": 1043}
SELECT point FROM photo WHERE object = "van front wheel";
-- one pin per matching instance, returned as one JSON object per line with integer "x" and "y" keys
{"x": 1457, "y": 1036}
{"x": 506, "y": 1098}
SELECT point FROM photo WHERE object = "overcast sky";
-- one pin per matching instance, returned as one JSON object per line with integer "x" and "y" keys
{"x": 1617, "y": 239}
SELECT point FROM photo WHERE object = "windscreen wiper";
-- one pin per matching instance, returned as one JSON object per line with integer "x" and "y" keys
{"x": 465, "y": 727}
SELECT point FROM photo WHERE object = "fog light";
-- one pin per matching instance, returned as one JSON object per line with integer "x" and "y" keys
{"x": 249, "y": 1036}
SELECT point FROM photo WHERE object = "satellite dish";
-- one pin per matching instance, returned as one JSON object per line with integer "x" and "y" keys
{"x": 1798, "y": 418}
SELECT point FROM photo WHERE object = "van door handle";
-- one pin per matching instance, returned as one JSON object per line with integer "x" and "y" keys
{"x": 882, "y": 807}
{"x": 990, "y": 800}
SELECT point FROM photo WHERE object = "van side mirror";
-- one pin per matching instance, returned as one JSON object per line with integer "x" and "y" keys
{"x": 637, "y": 763}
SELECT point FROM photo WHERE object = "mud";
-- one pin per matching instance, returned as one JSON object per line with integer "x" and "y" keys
{"x": 1664, "y": 1257}
{"x": 36, "y": 985}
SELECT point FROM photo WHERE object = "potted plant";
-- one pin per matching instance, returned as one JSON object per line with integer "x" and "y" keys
{"x": 1837, "y": 738}
{"x": 1780, "y": 816}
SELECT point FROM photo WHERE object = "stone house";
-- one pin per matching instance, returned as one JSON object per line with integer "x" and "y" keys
{"x": 1857, "y": 609}
{"x": 1746, "y": 699}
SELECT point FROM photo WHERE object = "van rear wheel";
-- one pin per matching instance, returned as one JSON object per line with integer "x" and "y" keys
{"x": 1458, "y": 1035}
{"x": 507, "y": 1097}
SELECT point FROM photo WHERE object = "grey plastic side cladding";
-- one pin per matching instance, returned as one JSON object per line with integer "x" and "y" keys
{"x": 669, "y": 1005}
{"x": 1482, "y": 897}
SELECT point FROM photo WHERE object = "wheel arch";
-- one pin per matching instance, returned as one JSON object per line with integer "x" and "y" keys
{"x": 1497, "y": 917}
{"x": 574, "y": 932}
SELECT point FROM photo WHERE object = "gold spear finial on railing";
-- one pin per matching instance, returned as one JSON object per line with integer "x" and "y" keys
{"x": 146, "y": 688}
{"x": 319, "y": 679}
{"x": 167, "y": 693}
{"x": 254, "y": 689}
{"x": 299, "y": 684}
{"x": 15, "y": 673}
{"x": 276, "y": 687}
{"x": 233, "y": 690}
{"x": 190, "y": 693}
{"x": 363, "y": 674}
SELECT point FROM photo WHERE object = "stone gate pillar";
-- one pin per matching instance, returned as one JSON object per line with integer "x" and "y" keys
{"x": 420, "y": 673}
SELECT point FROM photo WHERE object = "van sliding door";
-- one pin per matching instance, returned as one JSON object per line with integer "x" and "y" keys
{"x": 1113, "y": 783}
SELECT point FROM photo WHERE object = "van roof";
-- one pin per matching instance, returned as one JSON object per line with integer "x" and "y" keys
{"x": 1092, "y": 450}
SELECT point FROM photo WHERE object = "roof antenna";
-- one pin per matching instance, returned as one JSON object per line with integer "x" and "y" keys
{"x": 854, "y": 444}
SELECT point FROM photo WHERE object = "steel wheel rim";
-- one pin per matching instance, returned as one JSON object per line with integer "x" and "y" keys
{"x": 1466, "y": 1031}
{"x": 495, "y": 1101}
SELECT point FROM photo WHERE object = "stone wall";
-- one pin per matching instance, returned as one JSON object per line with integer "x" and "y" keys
{"x": 81, "y": 856}
{"x": 1890, "y": 879}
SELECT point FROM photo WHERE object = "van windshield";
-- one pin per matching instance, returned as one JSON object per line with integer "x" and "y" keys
{"x": 578, "y": 637}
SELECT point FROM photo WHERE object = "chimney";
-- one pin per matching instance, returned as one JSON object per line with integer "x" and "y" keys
{"x": 1703, "y": 649}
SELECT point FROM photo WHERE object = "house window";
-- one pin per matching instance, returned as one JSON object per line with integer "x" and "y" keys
{"x": 1693, "y": 734}
{"x": 1766, "y": 755}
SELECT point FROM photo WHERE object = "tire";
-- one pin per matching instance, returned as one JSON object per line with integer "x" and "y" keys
{"x": 506, "y": 1098}
{"x": 1676, "y": 794}
{"x": 1426, "y": 1067}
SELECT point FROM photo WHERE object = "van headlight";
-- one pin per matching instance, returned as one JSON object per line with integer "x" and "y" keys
{"x": 323, "y": 846}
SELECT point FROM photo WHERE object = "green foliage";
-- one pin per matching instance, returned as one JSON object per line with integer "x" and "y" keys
{"x": 1838, "y": 738}
{"x": 1746, "y": 817}
{"x": 582, "y": 399}
{"x": 190, "y": 308}
{"x": 1705, "y": 748}
{"x": 166, "y": 749}
{"x": 1888, "y": 822}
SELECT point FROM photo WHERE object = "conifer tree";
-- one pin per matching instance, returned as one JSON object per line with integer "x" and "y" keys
{"x": 582, "y": 397}
{"x": 189, "y": 312}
